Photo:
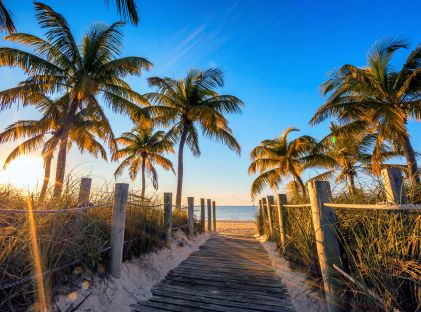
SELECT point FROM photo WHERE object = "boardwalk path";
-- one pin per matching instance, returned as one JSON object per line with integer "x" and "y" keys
{"x": 228, "y": 273}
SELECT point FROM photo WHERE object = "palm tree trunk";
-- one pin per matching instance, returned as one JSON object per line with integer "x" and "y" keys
{"x": 143, "y": 177}
{"x": 411, "y": 160}
{"x": 47, "y": 172}
{"x": 351, "y": 187}
{"x": 180, "y": 167}
{"x": 62, "y": 152}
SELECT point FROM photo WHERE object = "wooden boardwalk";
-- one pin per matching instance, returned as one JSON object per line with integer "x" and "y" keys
{"x": 228, "y": 273}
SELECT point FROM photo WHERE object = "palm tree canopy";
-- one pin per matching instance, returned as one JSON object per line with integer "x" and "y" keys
{"x": 145, "y": 144}
{"x": 127, "y": 9}
{"x": 6, "y": 22}
{"x": 193, "y": 100}
{"x": 45, "y": 132}
{"x": 278, "y": 158}
{"x": 378, "y": 96}
{"x": 59, "y": 64}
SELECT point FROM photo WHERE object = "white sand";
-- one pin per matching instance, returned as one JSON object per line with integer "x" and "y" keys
{"x": 304, "y": 297}
{"x": 138, "y": 278}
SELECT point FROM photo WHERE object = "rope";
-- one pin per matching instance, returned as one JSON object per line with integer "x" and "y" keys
{"x": 376, "y": 206}
{"x": 55, "y": 210}
{"x": 297, "y": 206}
{"x": 30, "y": 278}
{"x": 145, "y": 206}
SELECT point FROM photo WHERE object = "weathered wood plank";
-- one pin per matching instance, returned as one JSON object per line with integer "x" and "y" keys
{"x": 230, "y": 273}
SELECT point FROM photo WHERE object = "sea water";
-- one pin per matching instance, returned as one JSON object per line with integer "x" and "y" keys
{"x": 230, "y": 213}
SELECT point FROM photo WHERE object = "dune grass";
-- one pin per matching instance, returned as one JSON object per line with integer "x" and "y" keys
{"x": 381, "y": 250}
{"x": 69, "y": 243}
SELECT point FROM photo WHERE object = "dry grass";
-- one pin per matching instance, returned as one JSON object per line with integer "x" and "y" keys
{"x": 381, "y": 250}
{"x": 68, "y": 238}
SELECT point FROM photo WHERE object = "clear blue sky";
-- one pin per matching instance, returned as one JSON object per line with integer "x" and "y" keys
{"x": 275, "y": 55}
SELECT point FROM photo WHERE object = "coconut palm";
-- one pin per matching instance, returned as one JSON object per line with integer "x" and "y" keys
{"x": 379, "y": 96}
{"x": 189, "y": 104}
{"x": 6, "y": 21}
{"x": 84, "y": 71}
{"x": 278, "y": 158}
{"x": 126, "y": 8}
{"x": 44, "y": 133}
{"x": 142, "y": 150}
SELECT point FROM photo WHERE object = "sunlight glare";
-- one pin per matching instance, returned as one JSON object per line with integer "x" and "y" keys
{"x": 24, "y": 172}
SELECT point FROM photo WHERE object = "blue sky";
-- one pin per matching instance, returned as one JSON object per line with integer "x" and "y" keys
{"x": 275, "y": 54}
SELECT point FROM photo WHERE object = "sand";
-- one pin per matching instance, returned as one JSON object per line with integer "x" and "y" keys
{"x": 241, "y": 227}
{"x": 138, "y": 278}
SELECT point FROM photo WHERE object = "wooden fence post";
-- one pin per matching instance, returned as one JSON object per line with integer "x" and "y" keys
{"x": 190, "y": 216}
{"x": 209, "y": 215}
{"x": 261, "y": 222}
{"x": 270, "y": 202}
{"x": 214, "y": 215}
{"x": 168, "y": 218}
{"x": 281, "y": 201}
{"x": 117, "y": 227}
{"x": 84, "y": 191}
{"x": 324, "y": 223}
{"x": 202, "y": 216}
{"x": 394, "y": 187}
{"x": 264, "y": 205}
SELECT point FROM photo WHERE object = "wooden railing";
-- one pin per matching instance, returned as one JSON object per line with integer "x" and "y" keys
{"x": 324, "y": 222}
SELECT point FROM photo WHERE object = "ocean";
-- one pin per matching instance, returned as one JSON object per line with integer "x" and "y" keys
{"x": 230, "y": 213}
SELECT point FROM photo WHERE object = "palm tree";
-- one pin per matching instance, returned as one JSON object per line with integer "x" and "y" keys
{"x": 6, "y": 22}
{"x": 44, "y": 133}
{"x": 126, "y": 8}
{"x": 278, "y": 158}
{"x": 379, "y": 96}
{"x": 143, "y": 149}
{"x": 84, "y": 71}
{"x": 189, "y": 103}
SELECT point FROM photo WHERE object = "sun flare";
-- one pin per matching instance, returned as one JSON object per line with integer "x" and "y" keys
{"x": 23, "y": 172}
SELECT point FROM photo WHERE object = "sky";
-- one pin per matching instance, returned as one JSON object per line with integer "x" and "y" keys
{"x": 275, "y": 55}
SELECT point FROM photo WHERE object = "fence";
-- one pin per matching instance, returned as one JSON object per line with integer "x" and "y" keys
{"x": 119, "y": 200}
{"x": 324, "y": 221}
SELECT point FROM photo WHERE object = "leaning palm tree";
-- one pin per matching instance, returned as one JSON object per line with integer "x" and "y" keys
{"x": 278, "y": 158}
{"x": 143, "y": 149}
{"x": 191, "y": 103}
{"x": 84, "y": 71}
{"x": 45, "y": 134}
{"x": 379, "y": 96}
{"x": 6, "y": 21}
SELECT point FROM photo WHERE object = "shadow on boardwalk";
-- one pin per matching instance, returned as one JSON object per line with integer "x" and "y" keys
{"x": 230, "y": 272}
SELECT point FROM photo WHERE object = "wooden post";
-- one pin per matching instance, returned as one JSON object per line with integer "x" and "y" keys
{"x": 270, "y": 202}
{"x": 281, "y": 201}
{"x": 324, "y": 223}
{"x": 190, "y": 216}
{"x": 261, "y": 217}
{"x": 168, "y": 218}
{"x": 209, "y": 215}
{"x": 202, "y": 216}
{"x": 394, "y": 187}
{"x": 214, "y": 215}
{"x": 264, "y": 205}
{"x": 117, "y": 227}
{"x": 84, "y": 191}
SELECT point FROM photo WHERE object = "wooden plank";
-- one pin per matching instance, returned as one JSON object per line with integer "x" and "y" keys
{"x": 228, "y": 274}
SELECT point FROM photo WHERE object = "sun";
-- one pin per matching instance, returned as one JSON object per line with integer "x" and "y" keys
{"x": 24, "y": 172}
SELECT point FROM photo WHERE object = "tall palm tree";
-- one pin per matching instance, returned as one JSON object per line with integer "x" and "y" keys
{"x": 379, "y": 96}
{"x": 84, "y": 71}
{"x": 278, "y": 158}
{"x": 126, "y": 8}
{"x": 44, "y": 133}
{"x": 6, "y": 21}
{"x": 191, "y": 103}
{"x": 143, "y": 149}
